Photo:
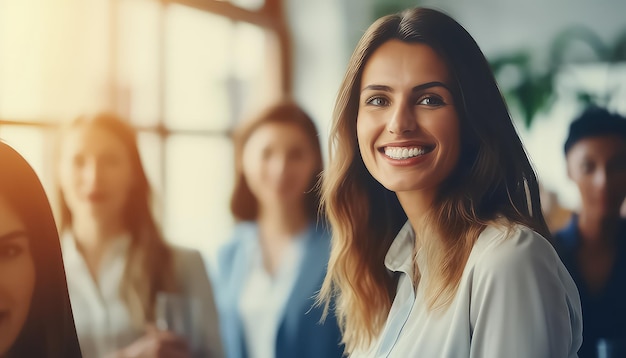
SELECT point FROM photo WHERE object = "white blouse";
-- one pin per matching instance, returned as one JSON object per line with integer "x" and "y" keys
{"x": 515, "y": 299}
{"x": 102, "y": 319}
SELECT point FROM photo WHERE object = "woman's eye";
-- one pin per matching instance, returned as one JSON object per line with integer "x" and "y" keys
{"x": 110, "y": 160}
{"x": 587, "y": 167}
{"x": 79, "y": 161}
{"x": 431, "y": 101}
{"x": 295, "y": 155}
{"x": 266, "y": 154}
{"x": 377, "y": 101}
{"x": 10, "y": 251}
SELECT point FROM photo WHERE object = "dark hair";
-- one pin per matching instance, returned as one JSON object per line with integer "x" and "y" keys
{"x": 49, "y": 329}
{"x": 595, "y": 122}
{"x": 243, "y": 203}
{"x": 150, "y": 265}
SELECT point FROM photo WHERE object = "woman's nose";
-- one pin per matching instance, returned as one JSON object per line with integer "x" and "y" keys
{"x": 91, "y": 173}
{"x": 402, "y": 120}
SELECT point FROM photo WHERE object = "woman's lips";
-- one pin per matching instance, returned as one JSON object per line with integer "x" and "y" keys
{"x": 4, "y": 315}
{"x": 96, "y": 197}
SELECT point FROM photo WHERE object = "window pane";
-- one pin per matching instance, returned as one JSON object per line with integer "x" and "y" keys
{"x": 54, "y": 60}
{"x": 199, "y": 181}
{"x": 249, "y": 50}
{"x": 197, "y": 65}
{"x": 248, "y": 89}
{"x": 138, "y": 73}
{"x": 249, "y": 4}
{"x": 21, "y": 70}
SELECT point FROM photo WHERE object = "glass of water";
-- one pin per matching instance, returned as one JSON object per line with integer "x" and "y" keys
{"x": 171, "y": 313}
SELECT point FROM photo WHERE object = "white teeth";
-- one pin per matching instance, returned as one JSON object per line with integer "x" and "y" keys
{"x": 404, "y": 153}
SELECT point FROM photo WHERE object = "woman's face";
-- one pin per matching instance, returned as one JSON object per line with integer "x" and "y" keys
{"x": 279, "y": 162}
{"x": 17, "y": 276}
{"x": 95, "y": 173}
{"x": 407, "y": 124}
{"x": 598, "y": 167}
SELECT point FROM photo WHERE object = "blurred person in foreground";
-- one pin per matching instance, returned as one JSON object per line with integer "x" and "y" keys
{"x": 269, "y": 272}
{"x": 119, "y": 266}
{"x": 35, "y": 313}
{"x": 593, "y": 244}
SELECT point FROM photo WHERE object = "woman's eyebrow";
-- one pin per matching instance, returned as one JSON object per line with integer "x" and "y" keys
{"x": 12, "y": 235}
{"x": 417, "y": 88}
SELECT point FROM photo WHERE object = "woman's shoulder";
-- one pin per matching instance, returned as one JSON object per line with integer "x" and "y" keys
{"x": 243, "y": 235}
{"x": 182, "y": 252}
{"x": 503, "y": 247}
{"x": 187, "y": 260}
{"x": 507, "y": 257}
{"x": 320, "y": 230}
{"x": 242, "y": 232}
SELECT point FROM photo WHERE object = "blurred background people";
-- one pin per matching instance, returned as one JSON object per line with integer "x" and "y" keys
{"x": 270, "y": 271}
{"x": 35, "y": 314}
{"x": 121, "y": 271}
{"x": 593, "y": 244}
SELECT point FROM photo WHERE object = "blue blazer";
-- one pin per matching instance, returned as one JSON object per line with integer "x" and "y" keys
{"x": 300, "y": 333}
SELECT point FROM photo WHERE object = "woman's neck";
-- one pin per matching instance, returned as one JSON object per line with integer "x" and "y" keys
{"x": 93, "y": 236}
{"x": 282, "y": 222}
{"x": 278, "y": 226}
{"x": 416, "y": 204}
{"x": 596, "y": 230}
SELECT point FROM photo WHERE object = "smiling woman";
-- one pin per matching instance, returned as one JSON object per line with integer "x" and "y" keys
{"x": 399, "y": 95}
{"x": 35, "y": 314}
{"x": 439, "y": 245}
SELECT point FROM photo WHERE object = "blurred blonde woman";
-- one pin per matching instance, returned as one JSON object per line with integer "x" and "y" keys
{"x": 119, "y": 265}
{"x": 439, "y": 245}
{"x": 276, "y": 260}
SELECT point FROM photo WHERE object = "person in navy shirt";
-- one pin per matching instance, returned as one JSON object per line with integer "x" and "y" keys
{"x": 593, "y": 245}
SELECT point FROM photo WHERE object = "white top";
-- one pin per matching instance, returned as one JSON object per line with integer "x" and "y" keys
{"x": 515, "y": 299}
{"x": 264, "y": 298}
{"x": 102, "y": 319}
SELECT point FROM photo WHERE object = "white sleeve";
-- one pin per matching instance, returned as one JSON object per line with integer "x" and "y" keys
{"x": 524, "y": 303}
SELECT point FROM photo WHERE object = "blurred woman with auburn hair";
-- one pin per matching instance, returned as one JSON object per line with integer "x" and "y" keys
{"x": 119, "y": 265}
{"x": 275, "y": 263}
{"x": 35, "y": 313}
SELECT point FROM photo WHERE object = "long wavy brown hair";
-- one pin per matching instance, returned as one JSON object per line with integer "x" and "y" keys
{"x": 493, "y": 177}
{"x": 149, "y": 264}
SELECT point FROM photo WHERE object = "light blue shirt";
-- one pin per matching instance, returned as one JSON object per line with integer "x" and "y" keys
{"x": 515, "y": 299}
